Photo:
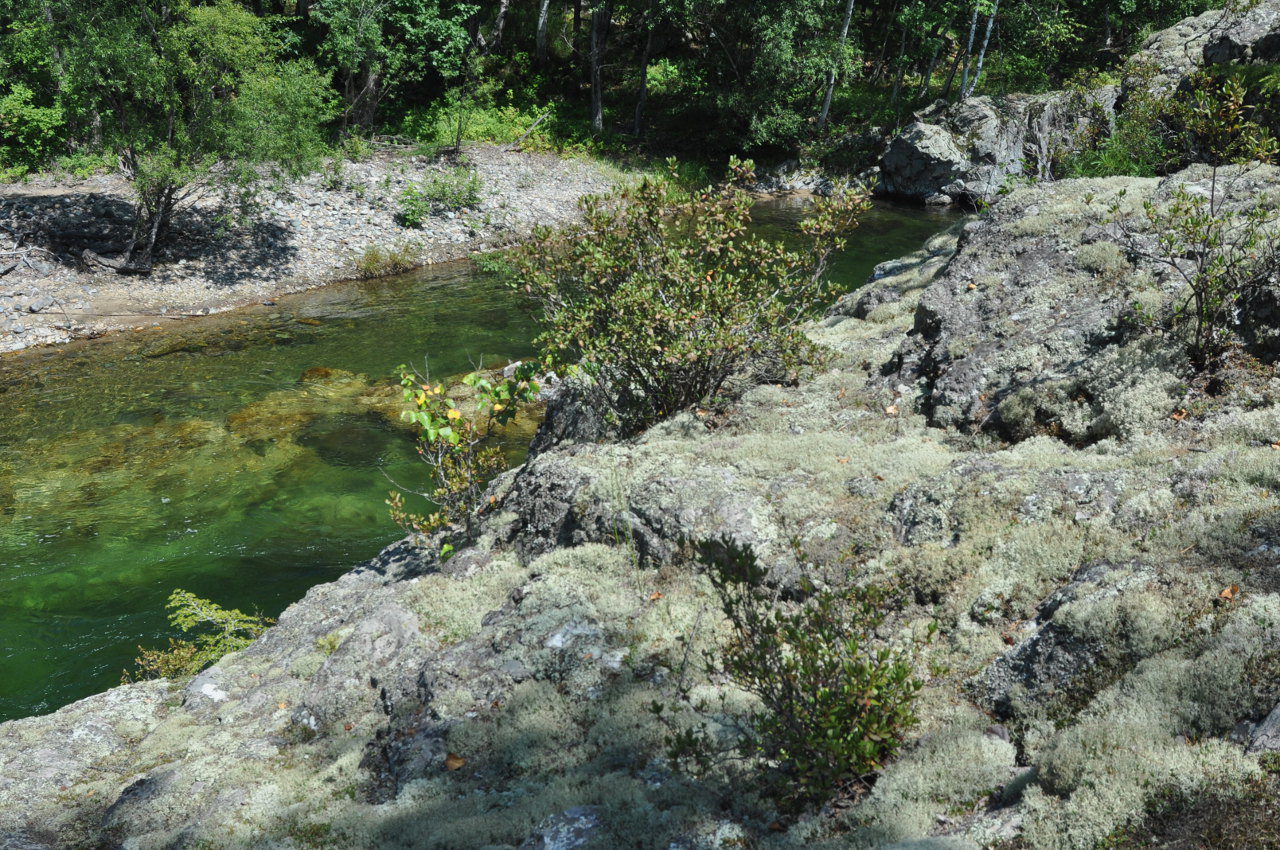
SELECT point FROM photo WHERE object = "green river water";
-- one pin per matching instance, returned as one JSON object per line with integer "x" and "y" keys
{"x": 243, "y": 457}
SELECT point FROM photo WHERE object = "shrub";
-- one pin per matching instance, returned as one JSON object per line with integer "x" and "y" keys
{"x": 377, "y": 261}
{"x": 220, "y": 631}
{"x": 451, "y": 191}
{"x": 834, "y": 702}
{"x": 658, "y": 297}
{"x": 1221, "y": 256}
{"x": 456, "y": 447}
{"x": 1143, "y": 143}
{"x": 28, "y": 132}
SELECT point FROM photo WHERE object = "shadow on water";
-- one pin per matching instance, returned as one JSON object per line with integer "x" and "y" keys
{"x": 238, "y": 456}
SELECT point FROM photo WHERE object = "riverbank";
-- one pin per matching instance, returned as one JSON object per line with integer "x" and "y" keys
{"x": 1093, "y": 536}
{"x": 309, "y": 235}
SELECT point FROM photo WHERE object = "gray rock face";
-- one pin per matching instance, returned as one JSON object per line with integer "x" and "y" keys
{"x": 1054, "y": 658}
{"x": 967, "y": 152}
{"x": 1023, "y": 330}
{"x": 1214, "y": 37}
{"x": 1266, "y": 736}
{"x": 569, "y": 830}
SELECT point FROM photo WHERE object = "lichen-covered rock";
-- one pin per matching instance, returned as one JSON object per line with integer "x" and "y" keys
{"x": 1115, "y": 598}
{"x": 1022, "y": 332}
{"x": 1249, "y": 34}
{"x": 968, "y": 151}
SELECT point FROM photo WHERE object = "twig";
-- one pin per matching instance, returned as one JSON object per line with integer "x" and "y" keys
{"x": 529, "y": 132}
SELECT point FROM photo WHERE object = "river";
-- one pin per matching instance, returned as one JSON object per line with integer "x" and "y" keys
{"x": 244, "y": 457}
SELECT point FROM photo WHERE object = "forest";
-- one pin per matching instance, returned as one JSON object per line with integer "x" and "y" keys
{"x": 88, "y": 84}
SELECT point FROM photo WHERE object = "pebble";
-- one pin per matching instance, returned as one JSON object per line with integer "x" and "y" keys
{"x": 308, "y": 235}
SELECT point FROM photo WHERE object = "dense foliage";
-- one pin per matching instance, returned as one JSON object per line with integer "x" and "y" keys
{"x": 193, "y": 97}
{"x": 657, "y": 298}
{"x": 834, "y": 701}
{"x": 692, "y": 75}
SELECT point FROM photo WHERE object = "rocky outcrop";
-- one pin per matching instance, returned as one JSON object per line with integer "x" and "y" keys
{"x": 1249, "y": 35}
{"x": 969, "y": 151}
{"x": 1108, "y": 591}
{"x": 1023, "y": 333}
{"x": 966, "y": 152}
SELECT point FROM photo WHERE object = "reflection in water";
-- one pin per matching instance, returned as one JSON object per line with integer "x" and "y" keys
{"x": 238, "y": 456}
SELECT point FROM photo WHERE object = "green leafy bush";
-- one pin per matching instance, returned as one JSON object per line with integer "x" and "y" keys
{"x": 834, "y": 700}
{"x": 658, "y": 297}
{"x": 457, "y": 447}
{"x": 455, "y": 189}
{"x": 1220, "y": 255}
{"x": 28, "y": 133}
{"x": 1144, "y": 142}
{"x": 219, "y": 631}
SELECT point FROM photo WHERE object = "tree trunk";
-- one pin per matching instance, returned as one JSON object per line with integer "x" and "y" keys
{"x": 599, "y": 21}
{"x": 363, "y": 96}
{"x": 901, "y": 62}
{"x": 927, "y": 77}
{"x": 643, "y": 100}
{"x": 951, "y": 75}
{"x": 831, "y": 76}
{"x": 544, "y": 13}
{"x": 499, "y": 25}
{"x": 982, "y": 54}
{"x": 878, "y": 73}
{"x": 151, "y": 221}
{"x": 968, "y": 50}
{"x": 304, "y": 9}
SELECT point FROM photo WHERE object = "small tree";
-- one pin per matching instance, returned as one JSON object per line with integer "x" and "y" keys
{"x": 1221, "y": 255}
{"x": 458, "y": 448}
{"x": 217, "y": 632}
{"x": 377, "y": 45}
{"x": 194, "y": 97}
{"x": 657, "y": 298}
{"x": 834, "y": 700}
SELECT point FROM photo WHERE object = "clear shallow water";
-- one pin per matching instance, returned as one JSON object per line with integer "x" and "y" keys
{"x": 242, "y": 457}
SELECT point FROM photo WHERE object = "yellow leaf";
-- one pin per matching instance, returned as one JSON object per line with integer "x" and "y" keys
{"x": 453, "y": 761}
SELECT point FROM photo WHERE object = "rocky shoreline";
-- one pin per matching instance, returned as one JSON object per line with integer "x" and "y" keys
{"x": 310, "y": 234}
{"x": 1094, "y": 536}
{"x": 1092, "y": 525}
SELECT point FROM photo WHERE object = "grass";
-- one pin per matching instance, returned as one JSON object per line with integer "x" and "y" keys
{"x": 380, "y": 261}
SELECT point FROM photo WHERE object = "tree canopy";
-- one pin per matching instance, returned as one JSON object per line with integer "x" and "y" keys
{"x": 169, "y": 82}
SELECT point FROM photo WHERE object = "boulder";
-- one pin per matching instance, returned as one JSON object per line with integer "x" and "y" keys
{"x": 569, "y": 830}
{"x": 1214, "y": 37}
{"x": 1054, "y": 659}
{"x": 966, "y": 152}
{"x": 1024, "y": 331}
